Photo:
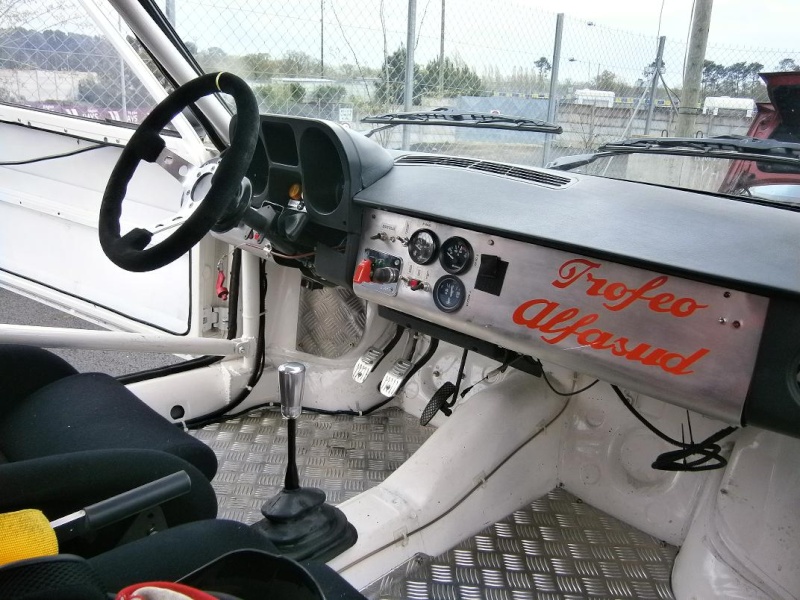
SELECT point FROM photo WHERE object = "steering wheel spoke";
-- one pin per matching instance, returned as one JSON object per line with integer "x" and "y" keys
{"x": 174, "y": 164}
{"x": 176, "y": 220}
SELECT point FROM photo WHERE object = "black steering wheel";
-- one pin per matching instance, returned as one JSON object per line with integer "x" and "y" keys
{"x": 211, "y": 191}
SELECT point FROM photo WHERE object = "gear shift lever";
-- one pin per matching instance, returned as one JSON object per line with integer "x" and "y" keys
{"x": 297, "y": 519}
{"x": 291, "y": 377}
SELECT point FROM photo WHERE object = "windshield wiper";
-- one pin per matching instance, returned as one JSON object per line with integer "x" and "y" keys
{"x": 732, "y": 144}
{"x": 723, "y": 146}
{"x": 454, "y": 118}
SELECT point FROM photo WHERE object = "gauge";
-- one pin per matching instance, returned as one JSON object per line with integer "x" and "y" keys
{"x": 456, "y": 256}
{"x": 422, "y": 246}
{"x": 449, "y": 293}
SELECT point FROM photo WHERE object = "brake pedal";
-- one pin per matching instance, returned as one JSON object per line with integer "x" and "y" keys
{"x": 366, "y": 364}
{"x": 395, "y": 376}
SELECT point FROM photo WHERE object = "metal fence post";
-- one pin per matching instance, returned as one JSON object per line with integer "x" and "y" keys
{"x": 654, "y": 83}
{"x": 553, "y": 99}
{"x": 408, "y": 91}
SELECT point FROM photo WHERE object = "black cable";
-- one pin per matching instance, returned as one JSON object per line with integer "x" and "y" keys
{"x": 398, "y": 333}
{"x": 567, "y": 394}
{"x": 220, "y": 414}
{"x": 708, "y": 450}
{"x": 501, "y": 369}
{"x": 421, "y": 362}
{"x": 29, "y": 161}
{"x": 459, "y": 377}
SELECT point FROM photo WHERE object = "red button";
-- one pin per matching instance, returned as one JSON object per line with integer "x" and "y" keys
{"x": 363, "y": 272}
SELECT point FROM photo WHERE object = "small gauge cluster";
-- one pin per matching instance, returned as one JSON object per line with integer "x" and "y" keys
{"x": 455, "y": 256}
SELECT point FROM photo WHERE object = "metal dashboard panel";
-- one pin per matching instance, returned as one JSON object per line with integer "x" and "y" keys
{"x": 682, "y": 341}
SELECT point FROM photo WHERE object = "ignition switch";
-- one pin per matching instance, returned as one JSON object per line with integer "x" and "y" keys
{"x": 385, "y": 275}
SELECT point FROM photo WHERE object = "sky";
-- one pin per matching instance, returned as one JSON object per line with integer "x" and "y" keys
{"x": 732, "y": 21}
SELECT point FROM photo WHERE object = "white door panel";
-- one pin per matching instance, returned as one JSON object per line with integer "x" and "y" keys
{"x": 48, "y": 227}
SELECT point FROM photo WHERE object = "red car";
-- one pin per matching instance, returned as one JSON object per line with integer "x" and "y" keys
{"x": 778, "y": 120}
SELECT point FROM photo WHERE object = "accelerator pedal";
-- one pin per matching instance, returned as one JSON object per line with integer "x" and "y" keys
{"x": 366, "y": 364}
{"x": 439, "y": 401}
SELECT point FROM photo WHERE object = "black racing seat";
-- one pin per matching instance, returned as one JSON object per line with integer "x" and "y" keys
{"x": 225, "y": 557}
{"x": 70, "y": 439}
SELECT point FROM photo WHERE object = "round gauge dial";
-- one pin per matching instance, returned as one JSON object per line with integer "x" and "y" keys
{"x": 449, "y": 293}
{"x": 422, "y": 246}
{"x": 456, "y": 255}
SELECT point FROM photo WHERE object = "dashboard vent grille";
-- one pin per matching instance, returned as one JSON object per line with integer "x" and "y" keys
{"x": 449, "y": 161}
{"x": 534, "y": 176}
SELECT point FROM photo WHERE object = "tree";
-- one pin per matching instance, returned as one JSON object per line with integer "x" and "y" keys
{"x": 257, "y": 67}
{"x": 713, "y": 75}
{"x": 391, "y": 88}
{"x": 788, "y": 64}
{"x": 297, "y": 64}
{"x": 740, "y": 79}
{"x": 329, "y": 94}
{"x": 544, "y": 67}
{"x": 456, "y": 77}
{"x": 606, "y": 80}
{"x": 296, "y": 92}
{"x": 213, "y": 59}
{"x": 272, "y": 98}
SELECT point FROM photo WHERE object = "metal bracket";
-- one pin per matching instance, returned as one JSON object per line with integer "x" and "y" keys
{"x": 244, "y": 346}
{"x": 215, "y": 317}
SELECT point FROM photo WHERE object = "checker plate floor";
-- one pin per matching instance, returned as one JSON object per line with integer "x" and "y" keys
{"x": 556, "y": 548}
{"x": 340, "y": 454}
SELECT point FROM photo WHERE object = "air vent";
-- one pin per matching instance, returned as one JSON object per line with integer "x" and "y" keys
{"x": 531, "y": 175}
{"x": 449, "y": 161}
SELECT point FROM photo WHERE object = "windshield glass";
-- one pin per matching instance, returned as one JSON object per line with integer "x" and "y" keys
{"x": 344, "y": 60}
{"x": 705, "y": 174}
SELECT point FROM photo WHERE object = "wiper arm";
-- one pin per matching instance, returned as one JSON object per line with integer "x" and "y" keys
{"x": 726, "y": 143}
{"x": 451, "y": 118}
{"x": 566, "y": 163}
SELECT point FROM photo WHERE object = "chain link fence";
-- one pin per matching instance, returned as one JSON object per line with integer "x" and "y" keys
{"x": 54, "y": 57}
{"x": 346, "y": 59}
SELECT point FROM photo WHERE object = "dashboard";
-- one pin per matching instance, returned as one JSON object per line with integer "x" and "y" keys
{"x": 689, "y": 297}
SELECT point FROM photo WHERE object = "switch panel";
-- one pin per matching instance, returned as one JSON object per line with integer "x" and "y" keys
{"x": 378, "y": 272}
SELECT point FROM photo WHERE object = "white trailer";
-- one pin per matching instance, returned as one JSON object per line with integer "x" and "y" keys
{"x": 712, "y": 104}
{"x": 595, "y": 97}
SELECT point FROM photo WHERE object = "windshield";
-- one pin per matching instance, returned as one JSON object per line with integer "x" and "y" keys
{"x": 704, "y": 174}
{"x": 346, "y": 60}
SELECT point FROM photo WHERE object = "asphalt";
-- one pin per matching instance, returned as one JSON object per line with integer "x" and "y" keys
{"x": 19, "y": 310}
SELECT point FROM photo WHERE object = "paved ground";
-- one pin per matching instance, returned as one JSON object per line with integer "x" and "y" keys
{"x": 18, "y": 310}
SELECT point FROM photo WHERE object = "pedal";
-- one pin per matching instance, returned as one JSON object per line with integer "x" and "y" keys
{"x": 395, "y": 376}
{"x": 438, "y": 402}
{"x": 366, "y": 364}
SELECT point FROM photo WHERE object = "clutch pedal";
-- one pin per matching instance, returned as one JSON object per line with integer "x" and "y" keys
{"x": 366, "y": 364}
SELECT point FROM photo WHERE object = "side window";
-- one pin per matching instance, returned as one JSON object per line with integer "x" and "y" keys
{"x": 55, "y": 57}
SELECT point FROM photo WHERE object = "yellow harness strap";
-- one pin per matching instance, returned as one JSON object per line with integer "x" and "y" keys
{"x": 25, "y": 534}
